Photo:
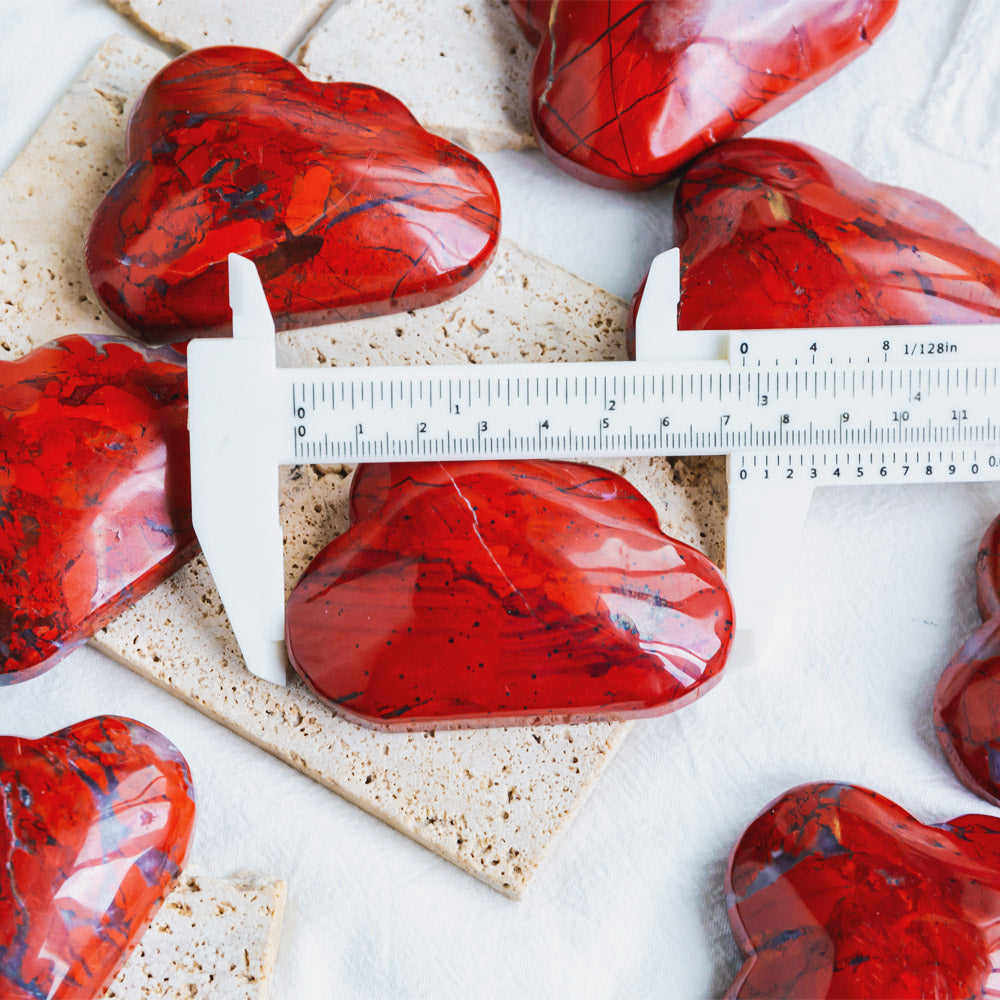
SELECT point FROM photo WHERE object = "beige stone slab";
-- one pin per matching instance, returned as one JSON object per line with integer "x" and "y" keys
{"x": 49, "y": 194}
{"x": 461, "y": 66}
{"x": 490, "y": 801}
{"x": 214, "y": 938}
{"x": 190, "y": 24}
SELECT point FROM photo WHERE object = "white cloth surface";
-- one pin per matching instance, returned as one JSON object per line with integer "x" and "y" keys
{"x": 964, "y": 103}
{"x": 631, "y": 902}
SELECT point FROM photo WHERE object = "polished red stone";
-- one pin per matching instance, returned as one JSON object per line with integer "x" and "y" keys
{"x": 835, "y": 891}
{"x": 988, "y": 572}
{"x": 95, "y": 825}
{"x": 624, "y": 93}
{"x": 502, "y": 593}
{"x": 347, "y": 206}
{"x": 967, "y": 696}
{"x": 967, "y": 712}
{"x": 774, "y": 234}
{"x": 95, "y": 494}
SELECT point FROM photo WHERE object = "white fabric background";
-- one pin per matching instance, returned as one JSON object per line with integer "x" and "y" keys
{"x": 630, "y": 904}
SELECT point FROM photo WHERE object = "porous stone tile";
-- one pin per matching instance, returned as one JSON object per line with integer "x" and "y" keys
{"x": 490, "y": 801}
{"x": 461, "y": 66}
{"x": 215, "y": 938}
{"x": 49, "y": 193}
{"x": 276, "y": 25}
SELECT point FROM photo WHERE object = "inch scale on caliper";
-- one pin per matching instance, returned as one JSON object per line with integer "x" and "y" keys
{"x": 590, "y": 409}
{"x": 793, "y": 409}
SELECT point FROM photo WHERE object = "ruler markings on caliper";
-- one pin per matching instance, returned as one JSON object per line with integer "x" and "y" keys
{"x": 452, "y": 413}
{"x": 792, "y": 410}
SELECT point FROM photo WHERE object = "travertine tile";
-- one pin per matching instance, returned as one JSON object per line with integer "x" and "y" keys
{"x": 472, "y": 50}
{"x": 188, "y": 24}
{"x": 214, "y": 938}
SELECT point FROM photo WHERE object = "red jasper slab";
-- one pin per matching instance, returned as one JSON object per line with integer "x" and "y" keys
{"x": 501, "y": 593}
{"x": 774, "y": 234}
{"x": 967, "y": 696}
{"x": 623, "y": 94}
{"x": 95, "y": 825}
{"x": 95, "y": 493}
{"x": 835, "y": 891}
{"x": 347, "y": 206}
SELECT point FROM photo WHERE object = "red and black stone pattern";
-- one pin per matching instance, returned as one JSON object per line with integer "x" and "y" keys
{"x": 967, "y": 697}
{"x": 489, "y": 593}
{"x": 95, "y": 493}
{"x": 774, "y": 234}
{"x": 988, "y": 572}
{"x": 625, "y": 93}
{"x": 835, "y": 891}
{"x": 347, "y": 206}
{"x": 95, "y": 825}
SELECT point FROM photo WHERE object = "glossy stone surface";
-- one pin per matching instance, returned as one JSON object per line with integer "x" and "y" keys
{"x": 501, "y": 593}
{"x": 95, "y": 493}
{"x": 347, "y": 206}
{"x": 835, "y": 891}
{"x": 774, "y": 234}
{"x": 988, "y": 572}
{"x": 623, "y": 94}
{"x": 967, "y": 697}
{"x": 95, "y": 825}
{"x": 967, "y": 712}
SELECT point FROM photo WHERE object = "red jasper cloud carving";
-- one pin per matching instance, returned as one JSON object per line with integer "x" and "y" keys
{"x": 967, "y": 697}
{"x": 95, "y": 823}
{"x": 988, "y": 572}
{"x": 347, "y": 206}
{"x": 835, "y": 891}
{"x": 624, "y": 93}
{"x": 500, "y": 593}
{"x": 95, "y": 493}
{"x": 774, "y": 234}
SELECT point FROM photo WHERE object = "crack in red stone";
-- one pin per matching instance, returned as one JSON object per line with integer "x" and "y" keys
{"x": 835, "y": 891}
{"x": 95, "y": 824}
{"x": 487, "y": 593}
{"x": 623, "y": 94}
{"x": 349, "y": 208}
{"x": 95, "y": 493}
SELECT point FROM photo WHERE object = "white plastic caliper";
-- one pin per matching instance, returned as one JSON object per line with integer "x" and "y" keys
{"x": 792, "y": 410}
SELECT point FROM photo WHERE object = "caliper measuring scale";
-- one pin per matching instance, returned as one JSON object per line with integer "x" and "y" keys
{"x": 791, "y": 409}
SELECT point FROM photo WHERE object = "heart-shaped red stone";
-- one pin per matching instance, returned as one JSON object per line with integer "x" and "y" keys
{"x": 624, "y": 93}
{"x": 835, "y": 891}
{"x": 347, "y": 206}
{"x": 774, "y": 234}
{"x": 95, "y": 825}
{"x": 95, "y": 493}
{"x": 502, "y": 593}
{"x": 967, "y": 696}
